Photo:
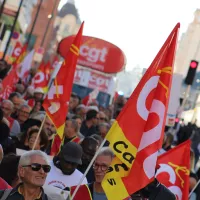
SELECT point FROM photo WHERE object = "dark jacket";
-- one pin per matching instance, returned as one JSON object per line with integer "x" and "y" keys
{"x": 88, "y": 131}
{"x": 16, "y": 195}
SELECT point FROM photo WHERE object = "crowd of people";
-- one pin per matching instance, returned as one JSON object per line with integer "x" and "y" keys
{"x": 36, "y": 174}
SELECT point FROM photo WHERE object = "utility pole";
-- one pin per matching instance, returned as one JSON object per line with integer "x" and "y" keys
{"x": 12, "y": 29}
{"x": 2, "y": 7}
{"x": 49, "y": 22}
{"x": 34, "y": 22}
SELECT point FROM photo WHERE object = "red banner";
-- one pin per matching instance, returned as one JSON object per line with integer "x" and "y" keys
{"x": 175, "y": 169}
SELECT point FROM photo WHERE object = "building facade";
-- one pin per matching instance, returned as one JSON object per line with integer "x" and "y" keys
{"x": 188, "y": 46}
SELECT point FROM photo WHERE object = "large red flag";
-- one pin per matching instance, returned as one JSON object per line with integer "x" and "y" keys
{"x": 57, "y": 99}
{"x": 174, "y": 170}
{"x": 137, "y": 134}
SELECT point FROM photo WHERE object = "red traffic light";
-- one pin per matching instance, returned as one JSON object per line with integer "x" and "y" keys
{"x": 193, "y": 64}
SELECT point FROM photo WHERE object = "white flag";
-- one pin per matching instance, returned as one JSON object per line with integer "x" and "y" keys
{"x": 26, "y": 63}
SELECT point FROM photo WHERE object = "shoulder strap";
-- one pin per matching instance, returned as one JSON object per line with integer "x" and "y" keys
{"x": 6, "y": 194}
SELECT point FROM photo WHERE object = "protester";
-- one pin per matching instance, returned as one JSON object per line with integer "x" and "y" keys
{"x": 71, "y": 131}
{"x": 42, "y": 141}
{"x": 10, "y": 164}
{"x": 167, "y": 145}
{"x": 6, "y": 141}
{"x": 64, "y": 171}
{"x": 33, "y": 170}
{"x": 89, "y": 146}
{"x": 89, "y": 126}
{"x": 23, "y": 114}
{"x": 7, "y": 108}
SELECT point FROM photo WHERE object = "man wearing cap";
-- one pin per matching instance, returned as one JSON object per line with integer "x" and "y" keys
{"x": 64, "y": 171}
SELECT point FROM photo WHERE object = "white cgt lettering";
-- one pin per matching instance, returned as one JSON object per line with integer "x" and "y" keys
{"x": 153, "y": 135}
{"x": 93, "y": 54}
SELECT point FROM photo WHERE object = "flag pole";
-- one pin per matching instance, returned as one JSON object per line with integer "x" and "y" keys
{"x": 194, "y": 188}
{"x": 88, "y": 168}
{"x": 39, "y": 132}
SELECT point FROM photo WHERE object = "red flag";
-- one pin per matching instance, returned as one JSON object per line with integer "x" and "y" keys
{"x": 174, "y": 170}
{"x": 137, "y": 134}
{"x": 9, "y": 83}
{"x": 57, "y": 99}
{"x": 16, "y": 52}
{"x": 20, "y": 57}
{"x": 42, "y": 77}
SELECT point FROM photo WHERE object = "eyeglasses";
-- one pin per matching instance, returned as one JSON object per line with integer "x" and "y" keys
{"x": 102, "y": 118}
{"x": 24, "y": 112}
{"x": 102, "y": 167}
{"x": 36, "y": 167}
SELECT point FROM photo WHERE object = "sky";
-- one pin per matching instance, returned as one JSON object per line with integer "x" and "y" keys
{"x": 139, "y": 28}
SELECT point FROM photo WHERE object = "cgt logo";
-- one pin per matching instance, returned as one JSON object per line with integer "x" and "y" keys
{"x": 173, "y": 172}
{"x": 93, "y": 54}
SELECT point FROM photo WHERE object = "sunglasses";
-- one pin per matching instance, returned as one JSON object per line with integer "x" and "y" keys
{"x": 36, "y": 167}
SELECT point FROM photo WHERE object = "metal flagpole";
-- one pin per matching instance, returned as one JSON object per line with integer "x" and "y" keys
{"x": 34, "y": 22}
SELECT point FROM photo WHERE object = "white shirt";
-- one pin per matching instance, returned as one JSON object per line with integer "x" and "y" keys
{"x": 57, "y": 179}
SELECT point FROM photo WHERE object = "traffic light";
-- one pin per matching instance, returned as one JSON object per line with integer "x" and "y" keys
{"x": 191, "y": 72}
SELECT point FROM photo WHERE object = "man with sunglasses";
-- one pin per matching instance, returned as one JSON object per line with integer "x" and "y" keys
{"x": 64, "y": 172}
{"x": 32, "y": 170}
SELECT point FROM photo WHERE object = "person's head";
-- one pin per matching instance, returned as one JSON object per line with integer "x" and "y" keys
{"x": 38, "y": 94}
{"x": 7, "y": 107}
{"x": 102, "y": 163}
{"x": 71, "y": 128}
{"x": 33, "y": 168}
{"x": 168, "y": 139}
{"x": 98, "y": 138}
{"x": 70, "y": 157}
{"x": 23, "y": 113}
{"x": 93, "y": 116}
{"x": 81, "y": 110}
{"x": 49, "y": 127}
{"x": 20, "y": 88}
{"x": 29, "y": 92}
{"x": 42, "y": 141}
{"x": 37, "y": 107}
{"x": 103, "y": 129}
{"x": 17, "y": 100}
{"x": 89, "y": 146}
{"x": 102, "y": 117}
{"x": 10, "y": 164}
{"x": 79, "y": 120}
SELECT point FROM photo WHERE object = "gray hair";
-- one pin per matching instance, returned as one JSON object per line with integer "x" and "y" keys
{"x": 9, "y": 102}
{"x": 25, "y": 158}
{"x": 106, "y": 151}
{"x": 25, "y": 105}
{"x": 74, "y": 124}
{"x": 105, "y": 125}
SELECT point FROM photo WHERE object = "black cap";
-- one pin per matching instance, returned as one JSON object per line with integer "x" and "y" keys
{"x": 72, "y": 152}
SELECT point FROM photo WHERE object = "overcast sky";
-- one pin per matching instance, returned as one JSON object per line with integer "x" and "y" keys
{"x": 139, "y": 28}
